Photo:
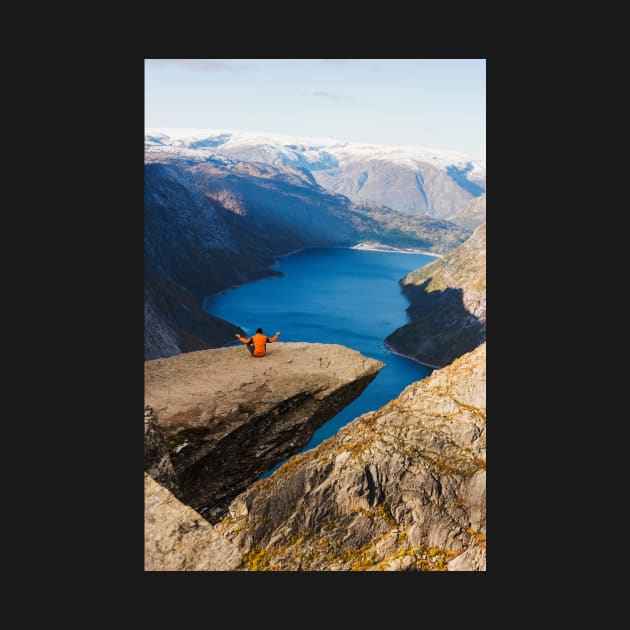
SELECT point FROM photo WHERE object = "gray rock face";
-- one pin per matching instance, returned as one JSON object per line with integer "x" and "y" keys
{"x": 278, "y": 203}
{"x": 473, "y": 215}
{"x": 225, "y": 417}
{"x": 161, "y": 338}
{"x": 290, "y": 210}
{"x": 157, "y": 461}
{"x": 473, "y": 559}
{"x": 448, "y": 305}
{"x": 414, "y": 188}
{"x": 401, "y": 488}
{"x": 176, "y": 538}
{"x": 189, "y": 253}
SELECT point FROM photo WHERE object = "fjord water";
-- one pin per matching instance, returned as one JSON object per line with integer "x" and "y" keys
{"x": 345, "y": 296}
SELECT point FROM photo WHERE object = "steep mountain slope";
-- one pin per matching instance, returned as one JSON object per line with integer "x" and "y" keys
{"x": 287, "y": 209}
{"x": 400, "y": 488}
{"x": 188, "y": 254}
{"x": 413, "y": 186}
{"x": 175, "y": 322}
{"x": 279, "y": 205}
{"x": 473, "y": 215}
{"x": 447, "y": 309}
{"x": 409, "y": 179}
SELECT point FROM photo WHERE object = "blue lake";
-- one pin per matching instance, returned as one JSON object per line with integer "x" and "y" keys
{"x": 344, "y": 296}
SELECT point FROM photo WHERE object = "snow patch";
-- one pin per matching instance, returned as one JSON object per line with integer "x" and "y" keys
{"x": 313, "y": 150}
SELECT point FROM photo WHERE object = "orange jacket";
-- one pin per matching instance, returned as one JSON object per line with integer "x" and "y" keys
{"x": 260, "y": 343}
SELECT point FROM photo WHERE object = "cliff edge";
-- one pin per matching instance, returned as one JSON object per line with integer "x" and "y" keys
{"x": 447, "y": 309}
{"x": 401, "y": 488}
{"x": 215, "y": 420}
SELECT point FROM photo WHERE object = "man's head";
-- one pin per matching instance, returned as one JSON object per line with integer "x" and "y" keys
{"x": 259, "y": 330}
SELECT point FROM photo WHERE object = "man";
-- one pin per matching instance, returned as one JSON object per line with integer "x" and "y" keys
{"x": 257, "y": 344}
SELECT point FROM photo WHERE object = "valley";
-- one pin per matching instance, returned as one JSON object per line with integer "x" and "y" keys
{"x": 358, "y": 442}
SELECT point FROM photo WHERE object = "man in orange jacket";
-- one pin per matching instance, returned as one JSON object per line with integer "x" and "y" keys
{"x": 257, "y": 344}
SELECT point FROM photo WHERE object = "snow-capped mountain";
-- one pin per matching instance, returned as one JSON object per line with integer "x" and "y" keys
{"x": 410, "y": 179}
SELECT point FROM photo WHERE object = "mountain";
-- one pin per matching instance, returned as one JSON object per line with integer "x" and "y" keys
{"x": 411, "y": 186}
{"x": 408, "y": 179}
{"x": 288, "y": 210}
{"x": 473, "y": 215}
{"x": 399, "y": 488}
{"x": 189, "y": 253}
{"x": 447, "y": 309}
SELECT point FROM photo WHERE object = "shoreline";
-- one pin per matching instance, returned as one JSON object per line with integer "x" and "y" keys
{"x": 374, "y": 247}
{"x": 276, "y": 258}
{"x": 273, "y": 274}
{"x": 377, "y": 247}
{"x": 405, "y": 356}
{"x": 295, "y": 251}
{"x": 362, "y": 247}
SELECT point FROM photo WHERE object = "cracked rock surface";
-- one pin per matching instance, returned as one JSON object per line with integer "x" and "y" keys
{"x": 215, "y": 420}
{"x": 176, "y": 538}
{"x": 400, "y": 488}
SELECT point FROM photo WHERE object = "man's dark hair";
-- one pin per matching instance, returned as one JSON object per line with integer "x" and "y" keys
{"x": 259, "y": 330}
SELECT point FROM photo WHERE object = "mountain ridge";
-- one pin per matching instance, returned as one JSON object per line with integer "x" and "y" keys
{"x": 183, "y": 138}
{"x": 408, "y": 179}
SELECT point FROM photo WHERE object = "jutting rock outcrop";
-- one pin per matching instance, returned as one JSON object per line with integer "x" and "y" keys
{"x": 447, "y": 309}
{"x": 400, "y": 488}
{"x": 215, "y": 420}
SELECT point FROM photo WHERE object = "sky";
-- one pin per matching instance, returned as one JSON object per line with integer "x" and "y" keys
{"x": 433, "y": 103}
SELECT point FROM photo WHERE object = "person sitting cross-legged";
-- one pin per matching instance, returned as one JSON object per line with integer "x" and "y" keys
{"x": 257, "y": 344}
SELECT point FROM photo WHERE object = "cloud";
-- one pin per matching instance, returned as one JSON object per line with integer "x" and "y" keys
{"x": 331, "y": 97}
{"x": 200, "y": 65}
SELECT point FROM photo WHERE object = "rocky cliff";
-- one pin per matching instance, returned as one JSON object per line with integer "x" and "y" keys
{"x": 473, "y": 215}
{"x": 189, "y": 253}
{"x": 215, "y": 420}
{"x": 447, "y": 309}
{"x": 176, "y": 538}
{"x": 400, "y": 488}
{"x": 415, "y": 187}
